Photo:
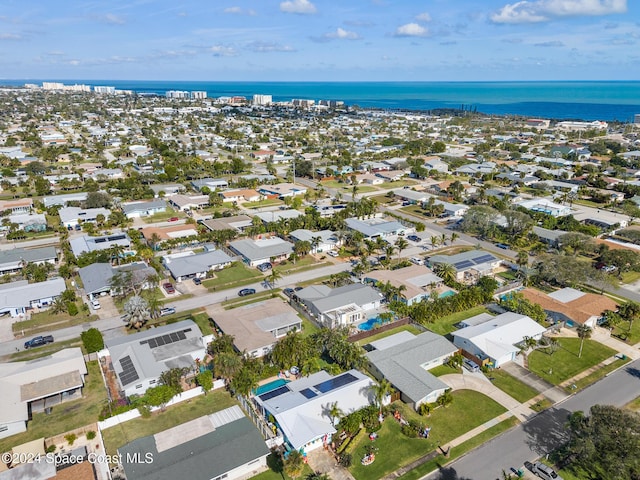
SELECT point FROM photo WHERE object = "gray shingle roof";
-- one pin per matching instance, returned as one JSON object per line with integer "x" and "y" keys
{"x": 28, "y": 255}
{"x": 199, "y": 263}
{"x": 339, "y": 297}
{"x": 253, "y": 250}
{"x": 142, "y": 206}
{"x": 21, "y": 294}
{"x": 208, "y": 456}
{"x": 401, "y": 364}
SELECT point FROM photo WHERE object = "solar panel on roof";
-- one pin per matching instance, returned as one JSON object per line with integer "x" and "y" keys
{"x": 152, "y": 343}
{"x": 159, "y": 341}
{"x": 274, "y": 393}
{"x": 337, "y": 382}
{"x": 129, "y": 373}
{"x": 463, "y": 264}
{"x": 308, "y": 393}
{"x": 174, "y": 336}
{"x": 167, "y": 339}
{"x": 483, "y": 259}
{"x": 182, "y": 336}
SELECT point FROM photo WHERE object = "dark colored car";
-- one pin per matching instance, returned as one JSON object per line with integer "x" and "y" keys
{"x": 38, "y": 341}
{"x": 414, "y": 238}
{"x": 246, "y": 291}
{"x": 168, "y": 288}
{"x": 263, "y": 267}
{"x": 288, "y": 292}
{"x": 503, "y": 246}
{"x": 197, "y": 281}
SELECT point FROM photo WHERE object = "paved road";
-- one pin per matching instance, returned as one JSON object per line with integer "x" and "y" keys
{"x": 542, "y": 433}
{"x": 113, "y": 327}
{"x": 10, "y": 244}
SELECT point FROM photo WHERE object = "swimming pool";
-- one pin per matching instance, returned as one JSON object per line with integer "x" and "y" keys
{"x": 370, "y": 324}
{"x": 448, "y": 293}
{"x": 267, "y": 387}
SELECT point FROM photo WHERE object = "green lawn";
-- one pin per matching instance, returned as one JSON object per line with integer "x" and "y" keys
{"x": 163, "y": 216}
{"x": 45, "y": 350}
{"x": 633, "y": 405}
{"x": 444, "y": 370}
{"x": 402, "y": 328}
{"x": 541, "y": 405}
{"x": 396, "y": 184}
{"x": 119, "y": 435}
{"x": 512, "y": 386}
{"x": 306, "y": 263}
{"x": 564, "y": 363}
{"x": 468, "y": 410}
{"x": 258, "y": 297}
{"x": 236, "y": 275}
{"x": 308, "y": 327}
{"x": 461, "y": 449}
{"x": 267, "y": 202}
{"x": 47, "y": 320}
{"x": 630, "y": 336}
{"x": 446, "y": 324}
{"x": 66, "y": 416}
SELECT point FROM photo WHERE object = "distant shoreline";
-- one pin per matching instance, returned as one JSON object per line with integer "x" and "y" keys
{"x": 563, "y": 100}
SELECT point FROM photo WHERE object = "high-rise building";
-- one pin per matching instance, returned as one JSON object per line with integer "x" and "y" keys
{"x": 198, "y": 95}
{"x": 106, "y": 90}
{"x": 177, "y": 94}
{"x": 262, "y": 99}
{"x": 636, "y": 119}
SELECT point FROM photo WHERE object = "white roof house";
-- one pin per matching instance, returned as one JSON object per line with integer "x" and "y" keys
{"x": 546, "y": 206}
{"x": 495, "y": 340}
{"x": 80, "y": 245}
{"x": 256, "y": 252}
{"x": 139, "y": 359}
{"x": 300, "y": 407}
{"x": 327, "y": 240}
{"x": 377, "y": 227}
{"x": 13, "y": 260}
{"x": 340, "y": 306}
{"x": 17, "y": 297}
{"x": 72, "y": 216}
{"x": 143, "y": 209}
{"x": 469, "y": 265}
{"x": 37, "y": 384}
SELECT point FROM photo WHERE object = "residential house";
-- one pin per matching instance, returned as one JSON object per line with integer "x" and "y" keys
{"x": 28, "y": 222}
{"x": 154, "y": 236}
{"x": 21, "y": 205}
{"x": 550, "y": 237}
{"x": 211, "y": 183}
{"x": 256, "y": 327}
{"x": 329, "y": 210}
{"x": 404, "y": 359}
{"x": 469, "y": 266}
{"x": 238, "y": 223}
{"x": 37, "y": 385}
{"x": 282, "y": 190}
{"x": 223, "y": 445}
{"x": 262, "y": 250}
{"x": 72, "y": 216}
{"x": 300, "y": 410}
{"x": 185, "y": 265}
{"x": 97, "y": 278}
{"x": 80, "y": 245}
{"x": 571, "y": 307}
{"x": 369, "y": 179}
{"x": 342, "y": 306}
{"x": 454, "y": 210}
{"x": 436, "y": 163}
{"x": 64, "y": 200}
{"x": 546, "y": 206}
{"x": 391, "y": 175}
{"x": 188, "y": 202}
{"x": 321, "y": 241}
{"x": 419, "y": 282}
{"x": 16, "y": 298}
{"x": 143, "y": 209}
{"x": 139, "y": 359}
{"x": 12, "y": 261}
{"x": 277, "y": 215}
{"x": 495, "y": 342}
{"x": 167, "y": 189}
{"x": 372, "y": 228}
{"x": 411, "y": 196}
{"x": 240, "y": 195}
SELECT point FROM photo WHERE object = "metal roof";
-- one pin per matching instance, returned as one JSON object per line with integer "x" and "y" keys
{"x": 198, "y": 263}
{"x": 21, "y": 294}
{"x": 261, "y": 248}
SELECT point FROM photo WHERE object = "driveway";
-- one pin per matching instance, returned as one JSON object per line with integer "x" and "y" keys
{"x": 322, "y": 461}
{"x": 484, "y": 386}
{"x": 550, "y": 391}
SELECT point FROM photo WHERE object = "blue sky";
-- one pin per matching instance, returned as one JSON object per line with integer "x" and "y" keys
{"x": 321, "y": 40}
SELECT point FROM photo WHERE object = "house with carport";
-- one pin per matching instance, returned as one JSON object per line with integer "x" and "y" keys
{"x": 185, "y": 265}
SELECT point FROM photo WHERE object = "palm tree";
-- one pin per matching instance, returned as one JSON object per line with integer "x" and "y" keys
{"x": 380, "y": 391}
{"x": 446, "y": 272}
{"x": 335, "y": 413}
{"x": 274, "y": 276}
{"x": 435, "y": 241}
{"x": 584, "y": 332}
{"x": 401, "y": 244}
{"x": 294, "y": 464}
{"x": 226, "y": 365}
{"x": 522, "y": 260}
{"x": 454, "y": 237}
{"x": 317, "y": 476}
{"x": 315, "y": 241}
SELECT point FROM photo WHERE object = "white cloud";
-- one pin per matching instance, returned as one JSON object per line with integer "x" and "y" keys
{"x": 301, "y": 7}
{"x": 423, "y": 17}
{"x": 239, "y": 11}
{"x": 114, "y": 19}
{"x": 223, "y": 51}
{"x": 411, "y": 30}
{"x": 10, "y": 36}
{"x": 342, "y": 34}
{"x": 268, "y": 47}
{"x": 533, "y": 11}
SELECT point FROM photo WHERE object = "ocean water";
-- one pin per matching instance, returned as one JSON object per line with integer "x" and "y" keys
{"x": 587, "y": 100}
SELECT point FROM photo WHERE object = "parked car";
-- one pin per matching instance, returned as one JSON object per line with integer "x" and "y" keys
{"x": 167, "y": 311}
{"x": 543, "y": 471}
{"x": 95, "y": 304}
{"x": 197, "y": 281}
{"x": 503, "y": 246}
{"x": 417, "y": 260}
{"x": 38, "y": 341}
{"x": 414, "y": 238}
{"x": 470, "y": 365}
{"x": 246, "y": 291}
{"x": 332, "y": 253}
{"x": 263, "y": 267}
{"x": 169, "y": 288}
{"x": 174, "y": 219}
{"x": 288, "y": 292}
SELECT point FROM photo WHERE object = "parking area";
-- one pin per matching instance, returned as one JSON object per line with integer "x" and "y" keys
{"x": 107, "y": 308}
{"x": 188, "y": 287}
